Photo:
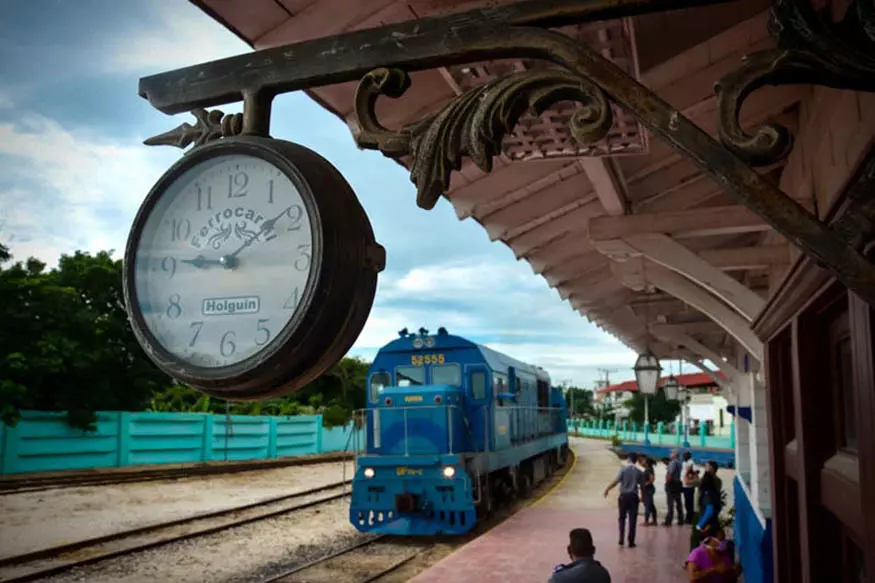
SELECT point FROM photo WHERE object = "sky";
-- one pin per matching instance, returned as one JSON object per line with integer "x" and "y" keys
{"x": 73, "y": 172}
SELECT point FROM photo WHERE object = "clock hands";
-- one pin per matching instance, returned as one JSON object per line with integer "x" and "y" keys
{"x": 200, "y": 261}
{"x": 267, "y": 226}
{"x": 230, "y": 260}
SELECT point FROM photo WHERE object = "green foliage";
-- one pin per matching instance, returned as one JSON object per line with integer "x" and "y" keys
{"x": 67, "y": 346}
{"x": 582, "y": 400}
{"x": 616, "y": 441}
{"x": 659, "y": 408}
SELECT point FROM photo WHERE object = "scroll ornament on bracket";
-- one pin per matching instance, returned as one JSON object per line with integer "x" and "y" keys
{"x": 810, "y": 49}
{"x": 474, "y": 123}
{"x": 210, "y": 126}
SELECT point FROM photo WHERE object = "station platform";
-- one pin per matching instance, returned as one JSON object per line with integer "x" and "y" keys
{"x": 526, "y": 547}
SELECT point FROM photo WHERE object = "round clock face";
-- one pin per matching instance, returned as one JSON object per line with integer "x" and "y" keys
{"x": 223, "y": 260}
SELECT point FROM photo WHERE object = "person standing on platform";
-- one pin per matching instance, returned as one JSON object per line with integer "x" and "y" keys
{"x": 583, "y": 567}
{"x": 649, "y": 490}
{"x": 690, "y": 475}
{"x": 631, "y": 480}
{"x": 674, "y": 489}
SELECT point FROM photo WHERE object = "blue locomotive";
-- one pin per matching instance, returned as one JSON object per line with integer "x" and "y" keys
{"x": 451, "y": 429}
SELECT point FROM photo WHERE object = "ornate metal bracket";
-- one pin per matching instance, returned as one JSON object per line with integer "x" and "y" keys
{"x": 811, "y": 50}
{"x": 474, "y": 123}
{"x": 210, "y": 126}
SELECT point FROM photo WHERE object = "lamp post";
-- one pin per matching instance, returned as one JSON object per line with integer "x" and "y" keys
{"x": 672, "y": 390}
{"x": 647, "y": 371}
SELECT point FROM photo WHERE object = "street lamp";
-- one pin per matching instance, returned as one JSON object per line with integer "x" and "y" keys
{"x": 671, "y": 388}
{"x": 647, "y": 371}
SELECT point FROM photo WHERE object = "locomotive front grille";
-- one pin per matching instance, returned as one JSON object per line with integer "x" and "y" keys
{"x": 405, "y": 502}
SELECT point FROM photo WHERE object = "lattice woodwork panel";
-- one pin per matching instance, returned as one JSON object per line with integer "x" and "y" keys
{"x": 547, "y": 135}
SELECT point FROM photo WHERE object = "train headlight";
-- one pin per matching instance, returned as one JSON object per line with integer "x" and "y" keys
{"x": 369, "y": 472}
{"x": 449, "y": 472}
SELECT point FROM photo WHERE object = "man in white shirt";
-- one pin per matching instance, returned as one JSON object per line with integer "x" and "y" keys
{"x": 689, "y": 475}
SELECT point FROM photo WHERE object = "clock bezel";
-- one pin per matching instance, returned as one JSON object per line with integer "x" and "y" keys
{"x": 329, "y": 315}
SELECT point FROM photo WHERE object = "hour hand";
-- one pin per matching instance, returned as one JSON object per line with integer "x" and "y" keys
{"x": 200, "y": 261}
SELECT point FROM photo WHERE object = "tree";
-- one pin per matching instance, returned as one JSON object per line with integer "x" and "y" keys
{"x": 659, "y": 408}
{"x": 580, "y": 399}
{"x": 67, "y": 345}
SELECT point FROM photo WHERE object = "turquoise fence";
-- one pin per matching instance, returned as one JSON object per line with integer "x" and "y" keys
{"x": 629, "y": 432}
{"x": 43, "y": 442}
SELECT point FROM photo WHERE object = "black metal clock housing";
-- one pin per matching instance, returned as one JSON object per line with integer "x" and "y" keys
{"x": 250, "y": 268}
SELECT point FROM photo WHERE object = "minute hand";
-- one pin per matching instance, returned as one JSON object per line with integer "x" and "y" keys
{"x": 265, "y": 227}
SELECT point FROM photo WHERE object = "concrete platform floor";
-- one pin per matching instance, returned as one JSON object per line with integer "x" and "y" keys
{"x": 526, "y": 547}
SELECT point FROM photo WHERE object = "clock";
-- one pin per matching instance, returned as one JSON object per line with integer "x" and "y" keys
{"x": 250, "y": 268}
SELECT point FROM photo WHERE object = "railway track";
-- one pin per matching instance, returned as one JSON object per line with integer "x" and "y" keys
{"x": 52, "y": 561}
{"x": 362, "y": 562}
{"x": 40, "y": 483}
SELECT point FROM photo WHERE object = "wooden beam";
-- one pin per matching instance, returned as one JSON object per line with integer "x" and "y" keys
{"x": 723, "y": 384}
{"x": 667, "y": 252}
{"x": 762, "y": 257}
{"x": 607, "y": 183}
{"x": 724, "y": 316}
{"x": 672, "y": 334}
{"x": 686, "y": 223}
{"x": 700, "y": 328}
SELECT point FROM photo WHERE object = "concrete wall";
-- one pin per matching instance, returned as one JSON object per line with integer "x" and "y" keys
{"x": 44, "y": 442}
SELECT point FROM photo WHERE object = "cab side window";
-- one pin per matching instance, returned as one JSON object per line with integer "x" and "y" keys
{"x": 478, "y": 384}
{"x": 379, "y": 380}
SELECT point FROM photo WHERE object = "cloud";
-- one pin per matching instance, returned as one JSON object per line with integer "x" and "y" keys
{"x": 6, "y": 99}
{"x": 183, "y": 36}
{"x": 500, "y": 304}
{"x": 64, "y": 192}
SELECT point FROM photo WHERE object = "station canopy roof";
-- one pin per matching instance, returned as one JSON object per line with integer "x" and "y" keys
{"x": 574, "y": 213}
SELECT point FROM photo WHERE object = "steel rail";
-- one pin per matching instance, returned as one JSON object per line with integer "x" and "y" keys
{"x": 9, "y": 564}
{"x": 349, "y": 549}
{"x": 13, "y": 485}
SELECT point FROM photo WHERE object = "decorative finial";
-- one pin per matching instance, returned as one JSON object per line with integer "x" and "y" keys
{"x": 210, "y": 126}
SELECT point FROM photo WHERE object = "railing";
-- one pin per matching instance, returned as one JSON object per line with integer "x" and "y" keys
{"x": 630, "y": 432}
{"x": 527, "y": 423}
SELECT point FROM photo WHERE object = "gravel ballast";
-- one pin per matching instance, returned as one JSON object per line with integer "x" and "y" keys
{"x": 35, "y": 520}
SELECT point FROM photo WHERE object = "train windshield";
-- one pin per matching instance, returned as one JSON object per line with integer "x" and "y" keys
{"x": 408, "y": 376}
{"x": 379, "y": 381}
{"x": 446, "y": 374}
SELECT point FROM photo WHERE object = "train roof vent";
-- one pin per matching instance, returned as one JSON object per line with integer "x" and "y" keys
{"x": 442, "y": 331}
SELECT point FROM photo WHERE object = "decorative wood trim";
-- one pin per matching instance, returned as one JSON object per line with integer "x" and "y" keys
{"x": 804, "y": 281}
{"x": 861, "y": 318}
{"x": 840, "y": 491}
{"x": 791, "y": 459}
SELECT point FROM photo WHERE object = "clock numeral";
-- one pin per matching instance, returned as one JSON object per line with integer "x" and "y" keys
{"x": 180, "y": 229}
{"x": 168, "y": 266}
{"x": 262, "y": 333}
{"x": 237, "y": 184}
{"x": 302, "y": 263}
{"x": 208, "y": 198}
{"x": 174, "y": 308}
{"x": 292, "y": 301}
{"x": 226, "y": 344}
{"x": 270, "y": 191}
{"x": 296, "y": 213}
{"x": 196, "y": 327}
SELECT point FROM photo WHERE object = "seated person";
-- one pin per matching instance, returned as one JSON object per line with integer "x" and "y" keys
{"x": 713, "y": 561}
{"x": 583, "y": 567}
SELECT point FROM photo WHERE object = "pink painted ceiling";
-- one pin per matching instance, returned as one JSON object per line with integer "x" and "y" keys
{"x": 544, "y": 192}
